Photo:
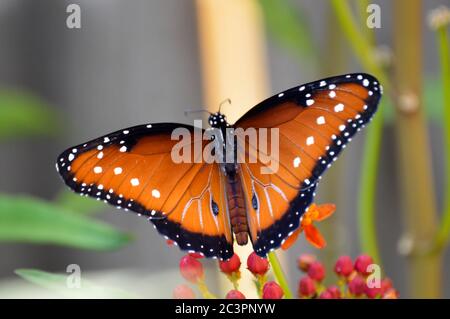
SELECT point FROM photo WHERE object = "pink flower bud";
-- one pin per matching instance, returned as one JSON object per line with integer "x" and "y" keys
{"x": 372, "y": 292}
{"x": 272, "y": 290}
{"x": 183, "y": 292}
{"x": 326, "y": 295}
{"x": 231, "y": 265}
{"x": 191, "y": 269}
{"x": 306, "y": 287}
{"x": 335, "y": 292}
{"x": 386, "y": 284}
{"x": 361, "y": 264}
{"x": 357, "y": 285}
{"x": 196, "y": 255}
{"x": 170, "y": 242}
{"x": 235, "y": 294}
{"x": 343, "y": 266}
{"x": 257, "y": 265}
{"x": 316, "y": 271}
{"x": 304, "y": 261}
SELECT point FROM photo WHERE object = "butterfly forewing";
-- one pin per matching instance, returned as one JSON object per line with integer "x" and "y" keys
{"x": 133, "y": 169}
{"x": 315, "y": 122}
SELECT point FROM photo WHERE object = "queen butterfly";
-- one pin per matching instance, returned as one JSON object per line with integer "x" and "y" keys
{"x": 202, "y": 205}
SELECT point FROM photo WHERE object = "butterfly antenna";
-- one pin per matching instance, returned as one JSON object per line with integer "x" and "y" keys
{"x": 223, "y": 102}
{"x": 190, "y": 111}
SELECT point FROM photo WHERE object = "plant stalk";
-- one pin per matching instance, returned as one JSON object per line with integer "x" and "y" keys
{"x": 413, "y": 154}
{"x": 279, "y": 275}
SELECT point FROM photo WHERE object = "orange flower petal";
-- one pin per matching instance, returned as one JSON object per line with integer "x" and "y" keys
{"x": 325, "y": 211}
{"x": 312, "y": 207}
{"x": 313, "y": 235}
{"x": 291, "y": 239}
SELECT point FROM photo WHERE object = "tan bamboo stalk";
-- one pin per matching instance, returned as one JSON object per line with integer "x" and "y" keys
{"x": 413, "y": 153}
{"x": 233, "y": 61}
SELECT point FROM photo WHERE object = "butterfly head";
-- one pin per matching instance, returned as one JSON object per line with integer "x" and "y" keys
{"x": 218, "y": 120}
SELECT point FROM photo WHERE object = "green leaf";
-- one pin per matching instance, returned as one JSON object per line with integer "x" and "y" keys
{"x": 58, "y": 284}
{"x": 26, "y": 219}
{"x": 79, "y": 204}
{"x": 289, "y": 27}
{"x": 23, "y": 114}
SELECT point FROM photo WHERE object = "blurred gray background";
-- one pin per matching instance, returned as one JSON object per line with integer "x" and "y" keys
{"x": 138, "y": 61}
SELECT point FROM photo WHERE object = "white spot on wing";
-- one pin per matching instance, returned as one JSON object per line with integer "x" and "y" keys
{"x": 98, "y": 169}
{"x": 339, "y": 107}
{"x": 297, "y": 161}
{"x": 156, "y": 193}
{"x": 320, "y": 120}
{"x": 134, "y": 181}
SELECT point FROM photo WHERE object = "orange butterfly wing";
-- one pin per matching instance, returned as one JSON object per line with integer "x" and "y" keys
{"x": 315, "y": 122}
{"x": 133, "y": 169}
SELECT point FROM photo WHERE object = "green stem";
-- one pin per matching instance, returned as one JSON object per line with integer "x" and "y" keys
{"x": 369, "y": 169}
{"x": 279, "y": 275}
{"x": 368, "y": 182}
{"x": 443, "y": 232}
{"x": 204, "y": 290}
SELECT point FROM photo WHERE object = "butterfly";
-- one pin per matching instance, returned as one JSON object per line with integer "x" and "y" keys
{"x": 204, "y": 205}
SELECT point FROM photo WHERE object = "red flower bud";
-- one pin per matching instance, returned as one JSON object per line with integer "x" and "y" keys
{"x": 235, "y": 294}
{"x": 361, "y": 264}
{"x": 326, "y": 295}
{"x": 316, "y": 271}
{"x": 257, "y": 265}
{"x": 191, "y": 269}
{"x": 343, "y": 266}
{"x": 391, "y": 294}
{"x": 386, "y": 284}
{"x": 272, "y": 290}
{"x": 183, "y": 292}
{"x": 357, "y": 285}
{"x": 231, "y": 265}
{"x": 306, "y": 287}
{"x": 196, "y": 255}
{"x": 170, "y": 242}
{"x": 335, "y": 292}
{"x": 372, "y": 292}
{"x": 304, "y": 261}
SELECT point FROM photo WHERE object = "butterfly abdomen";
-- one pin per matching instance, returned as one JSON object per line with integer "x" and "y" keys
{"x": 236, "y": 208}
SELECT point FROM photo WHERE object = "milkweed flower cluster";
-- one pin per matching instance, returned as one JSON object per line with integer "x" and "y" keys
{"x": 354, "y": 277}
{"x": 352, "y": 280}
{"x": 191, "y": 270}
